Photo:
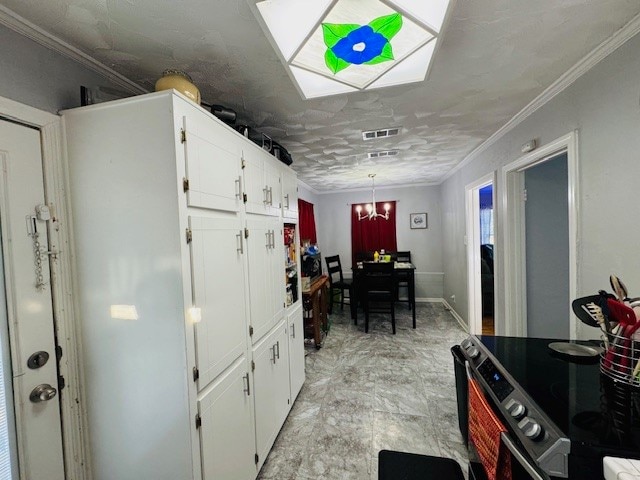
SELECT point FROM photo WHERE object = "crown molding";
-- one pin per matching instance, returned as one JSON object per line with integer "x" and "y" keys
{"x": 378, "y": 187}
{"x": 24, "y": 27}
{"x": 585, "y": 64}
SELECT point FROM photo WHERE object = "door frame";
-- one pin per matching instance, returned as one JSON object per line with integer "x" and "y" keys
{"x": 73, "y": 413}
{"x": 474, "y": 281}
{"x": 515, "y": 293}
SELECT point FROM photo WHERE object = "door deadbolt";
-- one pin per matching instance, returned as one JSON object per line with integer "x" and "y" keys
{"x": 42, "y": 393}
{"x": 37, "y": 360}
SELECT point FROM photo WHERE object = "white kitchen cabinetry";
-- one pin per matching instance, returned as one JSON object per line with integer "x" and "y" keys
{"x": 262, "y": 181}
{"x": 289, "y": 194}
{"x": 227, "y": 408}
{"x": 266, "y": 273}
{"x": 213, "y": 170}
{"x": 271, "y": 380}
{"x": 296, "y": 350}
{"x": 168, "y": 285}
{"x": 217, "y": 269}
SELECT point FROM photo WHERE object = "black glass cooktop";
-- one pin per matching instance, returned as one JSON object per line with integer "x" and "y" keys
{"x": 597, "y": 415}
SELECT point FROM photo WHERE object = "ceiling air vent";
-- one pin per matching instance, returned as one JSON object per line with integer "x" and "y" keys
{"x": 382, "y": 154}
{"x": 384, "y": 133}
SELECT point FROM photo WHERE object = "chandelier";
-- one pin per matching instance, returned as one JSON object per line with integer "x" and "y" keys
{"x": 372, "y": 210}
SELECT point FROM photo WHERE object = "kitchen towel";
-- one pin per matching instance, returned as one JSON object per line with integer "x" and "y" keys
{"x": 484, "y": 431}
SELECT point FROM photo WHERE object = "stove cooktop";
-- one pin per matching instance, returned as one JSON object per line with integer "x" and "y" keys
{"x": 596, "y": 414}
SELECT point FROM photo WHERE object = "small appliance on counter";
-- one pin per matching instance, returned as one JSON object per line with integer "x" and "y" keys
{"x": 312, "y": 265}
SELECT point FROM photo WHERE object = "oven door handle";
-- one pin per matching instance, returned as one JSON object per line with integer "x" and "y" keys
{"x": 522, "y": 460}
{"x": 467, "y": 367}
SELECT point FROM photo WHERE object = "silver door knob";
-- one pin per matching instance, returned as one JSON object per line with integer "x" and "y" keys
{"x": 42, "y": 393}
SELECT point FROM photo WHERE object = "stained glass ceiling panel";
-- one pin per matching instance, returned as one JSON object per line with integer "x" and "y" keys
{"x": 353, "y": 44}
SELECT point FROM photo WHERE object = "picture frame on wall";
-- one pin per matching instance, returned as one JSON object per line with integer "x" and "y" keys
{"x": 418, "y": 220}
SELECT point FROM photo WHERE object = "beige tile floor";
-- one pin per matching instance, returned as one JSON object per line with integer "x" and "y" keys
{"x": 368, "y": 392}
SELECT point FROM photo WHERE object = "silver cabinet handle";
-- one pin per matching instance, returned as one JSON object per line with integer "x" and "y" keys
{"x": 238, "y": 182}
{"x": 287, "y": 198}
{"x": 247, "y": 390}
{"x": 278, "y": 349}
{"x": 273, "y": 239}
{"x": 271, "y": 196}
{"x": 273, "y": 352}
{"x": 240, "y": 249}
{"x": 265, "y": 195}
{"x": 293, "y": 330}
{"x": 268, "y": 235}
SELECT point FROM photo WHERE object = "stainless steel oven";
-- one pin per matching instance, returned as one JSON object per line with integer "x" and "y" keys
{"x": 561, "y": 417}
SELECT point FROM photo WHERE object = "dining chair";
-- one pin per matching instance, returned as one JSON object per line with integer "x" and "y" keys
{"x": 402, "y": 279}
{"x": 378, "y": 291}
{"x": 337, "y": 283}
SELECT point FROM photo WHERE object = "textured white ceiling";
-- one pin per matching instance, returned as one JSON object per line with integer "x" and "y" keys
{"x": 496, "y": 56}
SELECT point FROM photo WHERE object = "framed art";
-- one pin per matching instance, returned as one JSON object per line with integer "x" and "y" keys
{"x": 418, "y": 220}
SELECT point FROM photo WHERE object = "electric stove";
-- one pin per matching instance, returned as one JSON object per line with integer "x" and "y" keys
{"x": 563, "y": 414}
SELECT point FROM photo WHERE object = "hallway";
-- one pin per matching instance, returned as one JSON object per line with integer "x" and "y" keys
{"x": 368, "y": 392}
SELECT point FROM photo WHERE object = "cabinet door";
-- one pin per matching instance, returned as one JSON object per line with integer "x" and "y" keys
{"x": 271, "y": 381}
{"x": 227, "y": 433}
{"x": 262, "y": 183}
{"x": 255, "y": 186}
{"x": 217, "y": 251}
{"x": 273, "y": 186}
{"x": 296, "y": 351}
{"x": 266, "y": 274}
{"x": 289, "y": 194}
{"x": 213, "y": 166}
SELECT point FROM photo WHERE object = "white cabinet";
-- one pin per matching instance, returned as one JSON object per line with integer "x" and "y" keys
{"x": 271, "y": 380}
{"x": 262, "y": 182}
{"x": 227, "y": 434}
{"x": 173, "y": 271}
{"x": 213, "y": 166}
{"x": 266, "y": 274}
{"x": 289, "y": 194}
{"x": 217, "y": 268}
{"x": 296, "y": 350}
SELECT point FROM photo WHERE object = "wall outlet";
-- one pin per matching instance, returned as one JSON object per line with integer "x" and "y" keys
{"x": 453, "y": 299}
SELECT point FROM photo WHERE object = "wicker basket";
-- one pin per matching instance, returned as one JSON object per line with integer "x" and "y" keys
{"x": 621, "y": 358}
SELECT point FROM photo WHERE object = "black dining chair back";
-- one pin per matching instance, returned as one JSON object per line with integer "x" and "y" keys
{"x": 337, "y": 283}
{"x": 379, "y": 291}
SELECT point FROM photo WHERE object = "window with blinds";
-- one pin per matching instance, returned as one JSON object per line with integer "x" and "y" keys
{"x": 8, "y": 469}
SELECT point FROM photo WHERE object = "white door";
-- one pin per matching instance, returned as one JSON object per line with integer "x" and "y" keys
{"x": 227, "y": 434}
{"x": 271, "y": 382}
{"x": 26, "y": 299}
{"x": 296, "y": 351}
{"x": 213, "y": 172}
{"x": 217, "y": 257}
{"x": 255, "y": 187}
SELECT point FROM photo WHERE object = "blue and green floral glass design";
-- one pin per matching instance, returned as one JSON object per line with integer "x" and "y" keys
{"x": 349, "y": 44}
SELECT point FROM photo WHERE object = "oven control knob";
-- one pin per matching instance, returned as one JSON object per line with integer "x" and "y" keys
{"x": 533, "y": 430}
{"x": 466, "y": 343}
{"x": 516, "y": 409}
{"x": 473, "y": 352}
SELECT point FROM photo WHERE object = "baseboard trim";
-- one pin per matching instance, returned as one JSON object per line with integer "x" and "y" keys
{"x": 455, "y": 315}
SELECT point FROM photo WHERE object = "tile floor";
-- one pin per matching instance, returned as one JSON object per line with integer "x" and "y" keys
{"x": 368, "y": 392}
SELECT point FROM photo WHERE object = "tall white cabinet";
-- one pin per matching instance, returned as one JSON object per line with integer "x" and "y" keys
{"x": 192, "y": 357}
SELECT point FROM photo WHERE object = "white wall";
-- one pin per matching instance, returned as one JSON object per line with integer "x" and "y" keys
{"x": 34, "y": 75}
{"x": 333, "y": 223}
{"x": 603, "y": 105}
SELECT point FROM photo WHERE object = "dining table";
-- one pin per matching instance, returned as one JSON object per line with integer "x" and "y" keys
{"x": 403, "y": 271}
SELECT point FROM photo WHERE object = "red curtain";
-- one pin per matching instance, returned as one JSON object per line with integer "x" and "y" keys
{"x": 307, "y": 221}
{"x": 371, "y": 235}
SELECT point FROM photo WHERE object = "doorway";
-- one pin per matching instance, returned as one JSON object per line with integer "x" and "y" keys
{"x": 540, "y": 238}
{"x": 480, "y": 239}
{"x": 33, "y": 431}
